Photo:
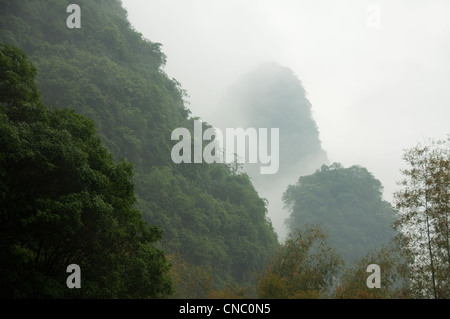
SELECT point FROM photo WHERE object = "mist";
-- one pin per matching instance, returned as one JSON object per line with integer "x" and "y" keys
{"x": 224, "y": 150}
{"x": 376, "y": 73}
{"x": 272, "y": 96}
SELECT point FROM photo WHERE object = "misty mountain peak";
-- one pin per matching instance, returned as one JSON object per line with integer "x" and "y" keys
{"x": 271, "y": 96}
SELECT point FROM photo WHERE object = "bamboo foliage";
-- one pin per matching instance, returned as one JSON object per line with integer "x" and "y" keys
{"x": 423, "y": 221}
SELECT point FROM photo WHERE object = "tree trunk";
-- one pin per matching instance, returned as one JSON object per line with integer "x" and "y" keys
{"x": 429, "y": 248}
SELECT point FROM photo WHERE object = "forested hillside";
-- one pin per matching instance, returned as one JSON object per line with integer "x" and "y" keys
{"x": 209, "y": 215}
{"x": 64, "y": 201}
{"x": 87, "y": 177}
{"x": 348, "y": 203}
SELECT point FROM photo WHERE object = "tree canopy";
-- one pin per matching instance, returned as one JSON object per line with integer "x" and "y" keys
{"x": 423, "y": 203}
{"x": 348, "y": 203}
{"x": 64, "y": 200}
{"x": 107, "y": 71}
{"x": 306, "y": 266}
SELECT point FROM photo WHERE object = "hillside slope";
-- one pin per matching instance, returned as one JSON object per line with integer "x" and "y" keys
{"x": 107, "y": 71}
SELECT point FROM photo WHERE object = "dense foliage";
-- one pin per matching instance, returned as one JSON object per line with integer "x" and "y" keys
{"x": 306, "y": 266}
{"x": 394, "y": 281}
{"x": 64, "y": 200}
{"x": 423, "y": 218}
{"x": 348, "y": 203}
{"x": 86, "y": 177}
{"x": 209, "y": 214}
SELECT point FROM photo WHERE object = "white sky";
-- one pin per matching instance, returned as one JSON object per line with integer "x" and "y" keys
{"x": 374, "y": 91}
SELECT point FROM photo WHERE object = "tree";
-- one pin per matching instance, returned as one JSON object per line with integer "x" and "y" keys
{"x": 110, "y": 73}
{"x": 305, "y": 267}
{"x": 19, "y": 96}
{"x": 64, "y": 200}
{"x": 193, "y": 282}
{"x": 393, "y": 275}
{"x": 423, "y": 217}
{"x": 348, "y": 203}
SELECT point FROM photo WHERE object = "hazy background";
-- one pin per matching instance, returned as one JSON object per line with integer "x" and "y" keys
{"x": 374, "y": 91}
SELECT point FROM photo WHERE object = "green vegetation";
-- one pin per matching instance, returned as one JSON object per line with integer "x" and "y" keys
{"x": 86, "y": 178}
{"x": 305, "y": 267}
{"x": 347, "y": 203}
{"x": 423, "y": 221}
{"x": 393, "y": 276}
{"x": 64, "y": 200}
{"x": 209, "y": 215}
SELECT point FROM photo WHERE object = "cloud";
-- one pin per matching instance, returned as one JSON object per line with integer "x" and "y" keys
{"x": 374, "y": 92}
